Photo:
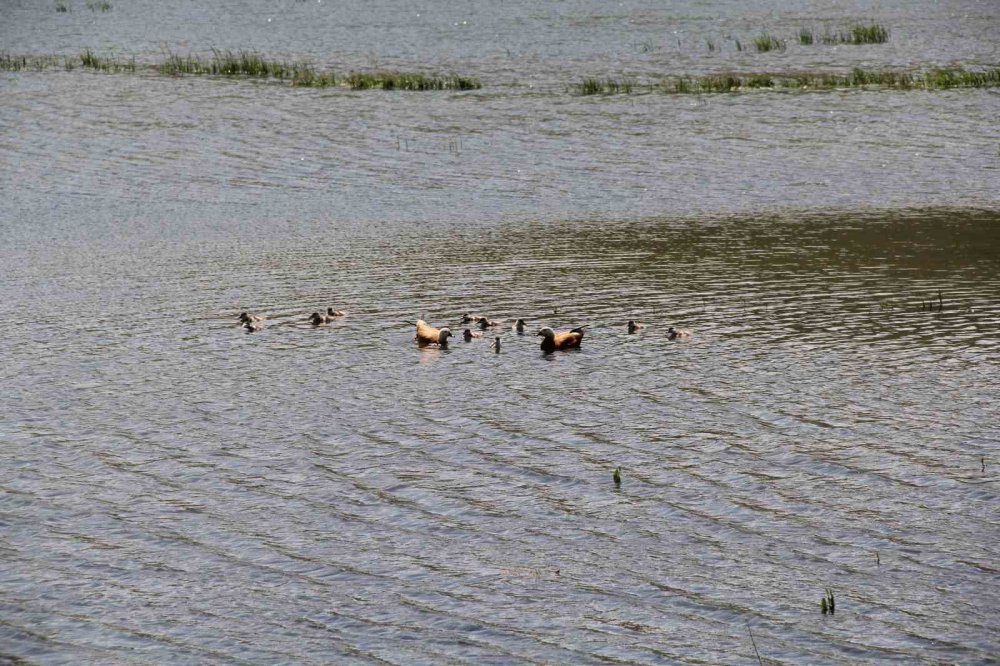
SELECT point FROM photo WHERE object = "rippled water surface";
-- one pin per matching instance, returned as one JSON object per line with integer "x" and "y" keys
{"x": 175, "y": 490}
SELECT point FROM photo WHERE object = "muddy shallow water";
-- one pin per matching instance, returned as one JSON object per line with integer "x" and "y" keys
{"x": 173, "y": 489}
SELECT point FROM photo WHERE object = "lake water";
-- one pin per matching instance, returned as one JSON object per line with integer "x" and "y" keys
{"x": 175, "y": 490}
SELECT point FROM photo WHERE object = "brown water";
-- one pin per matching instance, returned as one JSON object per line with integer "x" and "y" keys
{"x": 175, "y": 490}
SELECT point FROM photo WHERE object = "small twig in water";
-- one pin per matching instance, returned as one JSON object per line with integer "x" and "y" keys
{"x": 754, "y": 643}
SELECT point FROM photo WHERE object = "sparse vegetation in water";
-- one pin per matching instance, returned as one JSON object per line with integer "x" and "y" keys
{"x": 647, "y": 46}
{"x": 11, "y": 63}
{"x": 806, "y": 36}
{"x": 828, "y": 604}
{"x": 858, "y": 34}
{"x": 99, "y": 5}
{"x": 960, "y": 78}
{"x": 616, "y": 476}
{"x": 231, "y": 63}
{"x": 410, "y": 81}
{"x": 759, "y": 81}
{"x": 91, "y": 60}
{"x": 937, "y": 79}
{"x": 711, "y": 45}
{"x": 929, "y": 304}
{"x": 254, "y": 65}
{"x": 765, "y": 42}
{"x": 307, "y": 77}
{"x": 868, "y": 34}
{"x": 176, "y": 65}
{"x": 606, "y": 87}
{"x": 61, "y": 6}
{"x": 719, "y": 83}
{"x": 248, "y": 63}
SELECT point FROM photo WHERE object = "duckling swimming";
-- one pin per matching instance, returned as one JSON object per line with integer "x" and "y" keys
{"x": 251, "y": 326}
{"x": 331, "y": 313}
{"x": 316, "y": 319}
{"x": 518, "y": 326}
{"x": 428, "y": 335}
{"x": 633, "y": 326}
{"x": 552, "y": 341}
{"x": 471, "y": 318}
{"x": 247, "y": 317}
{"x": 678, "y": 334}
{"x": 495, "y": 345}
{"x": 467, "y": 335}
{"x": 485, "y": 323}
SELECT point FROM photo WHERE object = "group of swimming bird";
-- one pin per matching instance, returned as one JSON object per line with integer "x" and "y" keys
{"x": 252, "y": 323}
{"x": 429, "y": 335}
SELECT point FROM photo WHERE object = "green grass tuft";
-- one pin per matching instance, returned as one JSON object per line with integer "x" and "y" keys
{"x": 858, "y": 34}
{"x": 868, "y": 34}
{"x": 765, "y": 42}
{"x": 90, "y": 60}
{"x": 828, "y": 604}
{"x": 247, "y": 63}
